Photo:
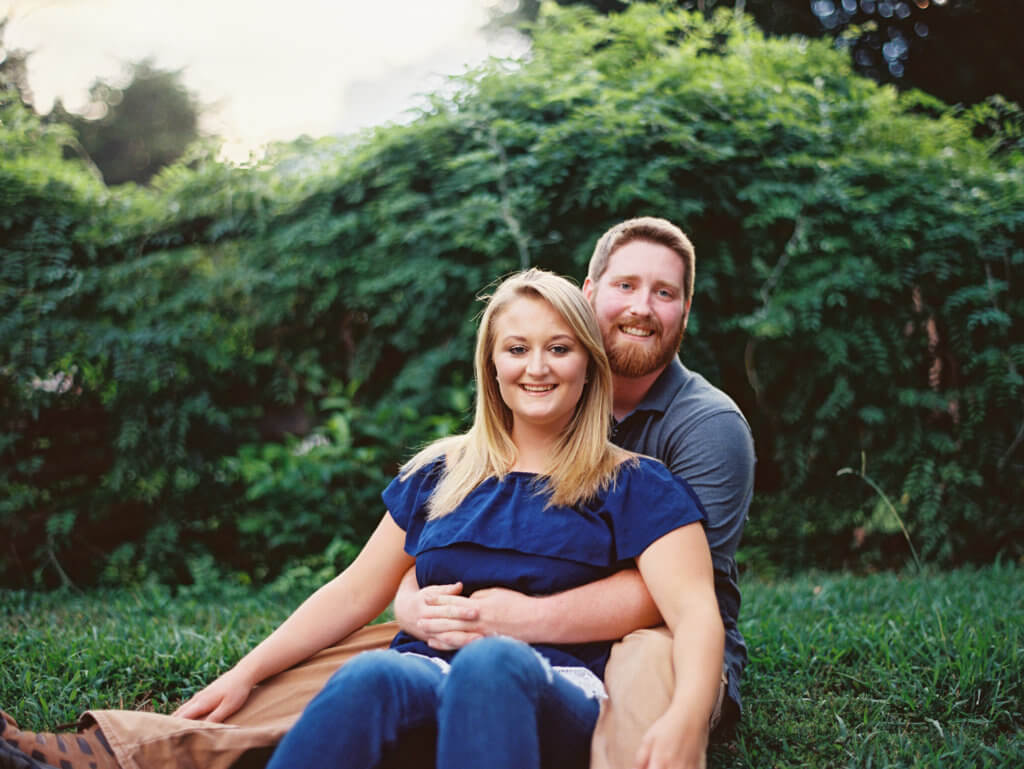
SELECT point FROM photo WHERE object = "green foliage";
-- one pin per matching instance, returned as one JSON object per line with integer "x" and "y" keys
{"x": 326, "y": 485}
{"x": 169, "y": 353}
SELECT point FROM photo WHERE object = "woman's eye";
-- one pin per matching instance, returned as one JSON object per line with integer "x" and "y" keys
{"x": 517, "y": 349}
{"x": 625, "y": 286}
{"x": 559, "y": 349}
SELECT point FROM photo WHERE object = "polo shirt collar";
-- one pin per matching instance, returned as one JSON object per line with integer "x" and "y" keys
{"x": 664, "y": 389}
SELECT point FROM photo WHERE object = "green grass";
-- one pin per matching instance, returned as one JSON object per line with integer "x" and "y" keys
{"x": 888, "y": 670}
{"x": 885, "y": 670}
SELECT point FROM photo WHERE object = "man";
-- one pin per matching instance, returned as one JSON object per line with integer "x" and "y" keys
{"x": 640, "y": 282}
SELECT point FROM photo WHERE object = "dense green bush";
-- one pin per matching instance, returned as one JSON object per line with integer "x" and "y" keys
{"x": 858, "y": 292}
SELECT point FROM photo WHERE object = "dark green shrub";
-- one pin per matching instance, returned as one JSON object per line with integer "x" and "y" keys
{"x": 858, "y": 293}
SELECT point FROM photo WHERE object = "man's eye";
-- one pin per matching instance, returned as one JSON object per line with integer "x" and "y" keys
{"x": 666, "y": 294}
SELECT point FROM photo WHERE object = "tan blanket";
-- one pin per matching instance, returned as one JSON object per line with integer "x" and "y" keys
{"x": 639, "y": 679}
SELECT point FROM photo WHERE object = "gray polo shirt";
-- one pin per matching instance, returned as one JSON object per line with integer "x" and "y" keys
{"x": 702, "y": 437}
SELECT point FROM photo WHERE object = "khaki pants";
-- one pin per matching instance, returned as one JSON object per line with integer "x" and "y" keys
{"x": 639, "y": 680}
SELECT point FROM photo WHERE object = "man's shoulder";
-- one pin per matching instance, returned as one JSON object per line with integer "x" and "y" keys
{"x": 695, "y": 399}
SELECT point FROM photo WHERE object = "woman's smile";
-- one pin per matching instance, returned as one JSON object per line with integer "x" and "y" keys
{"x": 540, "y": 365}
{"x": 538, "y": 388}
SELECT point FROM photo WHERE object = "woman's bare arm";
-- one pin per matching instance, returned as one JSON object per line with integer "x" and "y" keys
{"x": 677, "y": 569}
{"x": 346, "y": 603}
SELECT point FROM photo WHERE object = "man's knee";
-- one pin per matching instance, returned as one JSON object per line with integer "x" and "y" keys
{"x": 641, "y": 666}
{"x": 640, "y": 680}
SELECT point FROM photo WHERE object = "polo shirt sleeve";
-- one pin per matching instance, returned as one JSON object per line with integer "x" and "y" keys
{"x": 716, "y": 457}
{"x": 647, "y": 503}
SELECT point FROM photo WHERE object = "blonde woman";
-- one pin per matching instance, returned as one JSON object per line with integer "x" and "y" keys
{"x": 533, "y": 497}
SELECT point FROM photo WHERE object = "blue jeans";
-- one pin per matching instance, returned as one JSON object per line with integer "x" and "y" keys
{"x": 499, "y": 706}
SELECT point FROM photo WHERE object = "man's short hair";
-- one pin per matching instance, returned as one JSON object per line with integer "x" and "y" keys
{"x": 649, "y": 228}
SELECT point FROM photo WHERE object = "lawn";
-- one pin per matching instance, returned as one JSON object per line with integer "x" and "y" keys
{"x": 899, "y": 670}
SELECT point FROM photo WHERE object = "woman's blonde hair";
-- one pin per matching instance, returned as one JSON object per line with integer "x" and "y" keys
{"x": 584, "y": 460}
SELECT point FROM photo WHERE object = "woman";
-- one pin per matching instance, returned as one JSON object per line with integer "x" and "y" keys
{"x": 533, "y": 497}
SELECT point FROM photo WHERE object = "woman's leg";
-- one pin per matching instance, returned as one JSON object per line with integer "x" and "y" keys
{"x": 503, "y": 707}
{"x": 362, "y": 715}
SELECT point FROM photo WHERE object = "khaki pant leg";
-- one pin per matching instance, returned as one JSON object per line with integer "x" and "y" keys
{"x": 640, "y": 679}
{"x": 153, "y": 741}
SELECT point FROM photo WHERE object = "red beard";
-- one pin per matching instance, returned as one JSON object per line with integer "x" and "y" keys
{"x": 629, "y": 359}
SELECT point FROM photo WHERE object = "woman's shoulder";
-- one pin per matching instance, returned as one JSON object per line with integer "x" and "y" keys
{"x": 434, "y": 458}
{"x": 648, "y": 477}
{"x": 634, "y": 465}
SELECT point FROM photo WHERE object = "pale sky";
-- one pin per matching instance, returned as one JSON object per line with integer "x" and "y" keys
{"x": 265, "y": 70}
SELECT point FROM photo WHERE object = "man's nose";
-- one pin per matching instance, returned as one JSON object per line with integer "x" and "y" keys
{"x": 641, "y": 304}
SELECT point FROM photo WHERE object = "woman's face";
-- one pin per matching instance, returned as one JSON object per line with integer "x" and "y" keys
{"x": 541, "y": 365}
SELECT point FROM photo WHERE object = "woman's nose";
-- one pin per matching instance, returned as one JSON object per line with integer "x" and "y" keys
{"x": 537, "y": 363}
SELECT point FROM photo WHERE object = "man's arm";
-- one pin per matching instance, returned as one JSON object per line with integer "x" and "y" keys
{"x": 716, "y": 457}
{"x": 604, "y": 610}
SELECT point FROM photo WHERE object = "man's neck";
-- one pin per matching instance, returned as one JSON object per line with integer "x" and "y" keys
{"x": 627, "y": 392}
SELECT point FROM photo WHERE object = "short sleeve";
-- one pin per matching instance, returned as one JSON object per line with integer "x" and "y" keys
{"x": 716, "y": 457}
{"x": 406, "y": 501}
{"x": 647, "y": 503}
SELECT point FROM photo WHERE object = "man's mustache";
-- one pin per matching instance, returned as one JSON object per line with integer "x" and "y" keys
{"x": 647, "y": 324}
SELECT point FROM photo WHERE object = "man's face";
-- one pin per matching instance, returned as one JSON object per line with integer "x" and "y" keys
{"x": 639, "y": 306}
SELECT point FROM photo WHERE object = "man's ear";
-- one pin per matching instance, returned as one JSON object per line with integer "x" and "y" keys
{"x": 588, "y": 289}
{"x": 686, "y": 313}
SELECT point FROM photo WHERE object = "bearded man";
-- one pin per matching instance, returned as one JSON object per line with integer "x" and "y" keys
{"x": 640, "y": 284}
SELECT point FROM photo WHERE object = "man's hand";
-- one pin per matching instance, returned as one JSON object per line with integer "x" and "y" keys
{"x": 501, "y": 611}
{"x": 666, "y": 746}
{"x": 437, "y": 614}
{"x": 447, "y": 620}
{"x": 451, "y": 621}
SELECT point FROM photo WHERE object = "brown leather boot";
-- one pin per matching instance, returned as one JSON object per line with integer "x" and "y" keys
{"x": 85, "y": 749}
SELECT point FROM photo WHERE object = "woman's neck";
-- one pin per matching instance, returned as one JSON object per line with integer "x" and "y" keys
{"x": 535, "y": 447}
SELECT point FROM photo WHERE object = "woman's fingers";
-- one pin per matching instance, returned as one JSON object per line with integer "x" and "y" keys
{"x": 196, "y": 707}
{"x": 226, "y": 707}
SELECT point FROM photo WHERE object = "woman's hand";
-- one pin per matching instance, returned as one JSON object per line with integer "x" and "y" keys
{"x": 218, "y": 700}
{"x": 666, "y": 746}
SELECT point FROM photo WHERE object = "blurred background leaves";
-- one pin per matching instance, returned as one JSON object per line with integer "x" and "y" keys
{"x": 227, "y": 364}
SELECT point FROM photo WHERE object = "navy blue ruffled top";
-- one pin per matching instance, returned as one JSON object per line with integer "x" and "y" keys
{"x": 501, "y": 535}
